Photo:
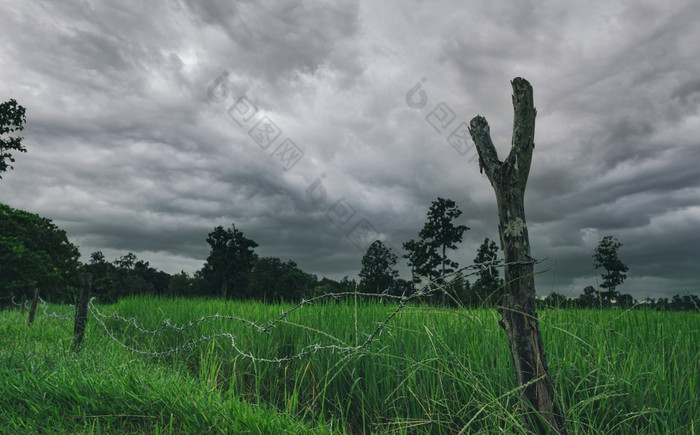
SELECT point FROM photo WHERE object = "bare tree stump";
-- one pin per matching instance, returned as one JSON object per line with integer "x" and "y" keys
{"x": 519, "y": 318}
{"x": 81, "y": 312}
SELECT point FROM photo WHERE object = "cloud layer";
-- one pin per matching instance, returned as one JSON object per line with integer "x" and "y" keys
{"x": 137, "y": 139}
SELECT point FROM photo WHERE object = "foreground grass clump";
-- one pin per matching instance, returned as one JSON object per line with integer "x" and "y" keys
{"x": 429, "y": 371}
{"x": 44, "y": 388}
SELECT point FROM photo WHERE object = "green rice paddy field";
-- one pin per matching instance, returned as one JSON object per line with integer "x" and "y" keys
{"x": 438, "y": 371}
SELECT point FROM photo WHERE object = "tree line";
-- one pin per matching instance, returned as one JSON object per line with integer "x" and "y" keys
{"x": 35, "y": 253}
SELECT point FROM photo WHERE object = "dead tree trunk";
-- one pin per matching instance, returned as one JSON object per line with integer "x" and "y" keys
{"x": 519, "y": 318}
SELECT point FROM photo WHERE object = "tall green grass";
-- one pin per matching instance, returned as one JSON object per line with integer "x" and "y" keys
{"x": 431, "y": 371}
{"x": 46, "y": 389}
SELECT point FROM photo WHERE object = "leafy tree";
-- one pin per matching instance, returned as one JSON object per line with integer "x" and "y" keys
{"x": 556, "y": 300}
{"x": 625, "y": 301}
{"x": 230, "y": 262}
{"x": 12, "y": 118}
{"x": 605, "y": 257}
{"x": 378, "y": 273}
{"x": 419, "y": 261}
{"x": 127, "y": 275}
{"x": 487, "y": 287}
{"x": 182, "y": 284}
{"x": 274, "y": 280}
{"x": 327, "y": 285}
{"x": 98, "y": 266}
{"x": 127, "y": 280}
{"x": 158, "y": 279}
{"x": 401, "y": 287}
{"x": 437, "y": 236}
{"x": 34, "y": 252}
{"x": 459, "y": 290}
{"x": 348, "y": 285}
{"x": 103, "y": 285}
{"x": 589, "y": 297}
{"x": 661, "y": 304}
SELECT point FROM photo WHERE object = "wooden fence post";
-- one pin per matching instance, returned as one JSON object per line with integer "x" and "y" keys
{"x": 81, "y": 312}
{"x": 32, "y": 310}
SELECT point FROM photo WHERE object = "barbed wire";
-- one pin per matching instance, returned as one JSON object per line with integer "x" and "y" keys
{"x": 430, "y": 288}
{"x": 44, "y": 307}
{"x": 372, "y": 337}
{"x": 19, "y": 305}
{"x": 55, "y": 315}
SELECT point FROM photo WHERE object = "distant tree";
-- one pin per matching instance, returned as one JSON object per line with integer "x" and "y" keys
{"x": 661, "y": 304}
{"x": 421, "y": 264}
{"x": 104, "y": 286}
{"x": 589, "y": 297}
{"x": 12, "y": 118}
{"x": 465, "y": 296}
{"x": 401, "y": 287}
{"x": 683, "y": 303}
{"x": 182, "y": 284}
{"x": 606, "y": 258}
{"x": 677, "y": 303}
{"x": 98, "y": 266}
{"x": 378, "y": 273}
{"x": 158, "y": 279}
{"x": 127, "y": 280}
{"x": 625, "y": 301}
{"x": 458, "y": 289}
{"x": 487, "y": 287}
{"x": 691, "y": 302}
{"x": 348, "y": 285}
{"x": 437, "y": 236}
{"x": 34, "y": 252}
{"x": 326, "y": 286}
{"x": 274, "y": 280}
{"x": 125, "y": 276}
{"x": 556, "y": 300}
{"x": 126, "y": 262}
{"x": 230, "y": 262}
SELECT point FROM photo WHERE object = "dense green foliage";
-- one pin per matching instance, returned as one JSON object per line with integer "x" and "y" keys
{"x": 230, "y": 263}
{"x": 378, "y": 272}
{"x": 440, "y": 234}
{"x": 12, "y": 118}
{"x": 428, "y": 257}
{"x": 605, "y": 257}
{"x": 35, "y": 253}
{"x": 274, "y": 280}
{"x": 125, "y": 276}
{"x": 431, "y": 371}
{"x": 487, "y": 288}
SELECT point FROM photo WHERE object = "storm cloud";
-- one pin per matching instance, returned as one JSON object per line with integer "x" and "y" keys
{"x": 139, "y": 140}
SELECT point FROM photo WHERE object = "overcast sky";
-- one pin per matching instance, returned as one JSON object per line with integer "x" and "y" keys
{"x": 319, "y": 126}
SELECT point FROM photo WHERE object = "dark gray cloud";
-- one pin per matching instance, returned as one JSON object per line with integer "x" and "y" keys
{"x": 129, "y": 151}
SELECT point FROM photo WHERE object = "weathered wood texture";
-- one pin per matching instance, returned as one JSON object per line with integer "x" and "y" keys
{"x": 519, "y": 318}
